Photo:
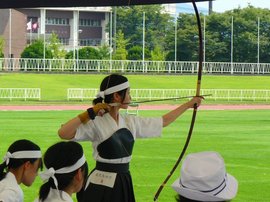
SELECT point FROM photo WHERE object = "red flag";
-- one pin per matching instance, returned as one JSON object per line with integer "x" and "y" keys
{"x": 35, "y": 26}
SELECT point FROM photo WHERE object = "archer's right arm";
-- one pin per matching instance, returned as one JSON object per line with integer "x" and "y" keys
{"x": 68, "y": 130}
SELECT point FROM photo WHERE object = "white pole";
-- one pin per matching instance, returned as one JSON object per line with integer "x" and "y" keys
{"x": 143, "y": 36}
{"x": 74, "y": 33}
{"x": 258, "y": 51}
{"x": 204, "y": 27}
{"x": 175, "y": 39}
{"x": 110, "y": 35}
{"x": 31, "y": 31}
{"x": 232, "y": 47}
{"x": 114, "y": 27}
{"x": 44, "y": 35}
{"x": 10, "y": 23}
{"x": 78, "y": 37}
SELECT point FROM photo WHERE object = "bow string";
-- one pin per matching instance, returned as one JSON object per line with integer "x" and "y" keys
{"x": 195, "y": 106}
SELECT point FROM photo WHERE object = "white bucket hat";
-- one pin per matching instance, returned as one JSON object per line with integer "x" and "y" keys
{"x": 204, "y": 178}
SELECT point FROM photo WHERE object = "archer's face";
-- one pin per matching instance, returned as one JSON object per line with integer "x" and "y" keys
{"x": 127, "y": 99}
{"x": 30, "y": 172}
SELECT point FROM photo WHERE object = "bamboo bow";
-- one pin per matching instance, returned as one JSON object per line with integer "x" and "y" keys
{"x": 195, "y": 106}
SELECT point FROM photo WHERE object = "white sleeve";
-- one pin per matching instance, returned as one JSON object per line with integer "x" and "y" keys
{"x": 10, "y": 196}
{"x": 148, "y": 127}
{"x": 83, "y": 132}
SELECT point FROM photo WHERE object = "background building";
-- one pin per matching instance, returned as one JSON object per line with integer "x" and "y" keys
{"x": 84, "y": 26}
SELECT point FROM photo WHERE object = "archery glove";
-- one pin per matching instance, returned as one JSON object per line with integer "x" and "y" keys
{"x": 92, "y": 112}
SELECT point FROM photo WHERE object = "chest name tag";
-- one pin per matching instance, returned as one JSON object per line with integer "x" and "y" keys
{"x": 103, "y": 178}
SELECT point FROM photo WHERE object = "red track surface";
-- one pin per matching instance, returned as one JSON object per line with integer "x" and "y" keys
{"x": 141, "y": 107}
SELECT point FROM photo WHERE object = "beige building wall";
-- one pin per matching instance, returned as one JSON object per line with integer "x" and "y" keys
{"x": 13, "y": 30}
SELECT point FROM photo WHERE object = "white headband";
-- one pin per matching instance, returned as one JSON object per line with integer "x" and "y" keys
{"x": 33, "y": 154}
{"x": 49, "y": 173}
{"x": 113, "y": 89}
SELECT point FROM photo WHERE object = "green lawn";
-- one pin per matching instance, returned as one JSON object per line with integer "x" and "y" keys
{"x": 54, "y": 86}
{"x": 242, "y": 137}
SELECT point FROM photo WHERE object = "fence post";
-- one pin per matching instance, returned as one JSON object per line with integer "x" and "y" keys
{"x": 10, "y": 94}
{"x": 50, "y": 65}
{"x": 122, "y": 66}
{"x": 25, "y": 65}
{"x": 25, "y": 94}
{"x": 241, "y": 94}
{"x": 81, "y": 94}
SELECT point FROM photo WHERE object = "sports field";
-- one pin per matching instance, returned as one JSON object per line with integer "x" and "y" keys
{"x": 241, "y": 136}
{"x": 54, "y": 86}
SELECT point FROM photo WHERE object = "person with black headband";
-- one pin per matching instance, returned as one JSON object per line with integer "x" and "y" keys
{"x": 65, "y": 174}
{"x": 112, "y": 135}
{"x": 203, "y": 178}
{"x": 21, "y": 162}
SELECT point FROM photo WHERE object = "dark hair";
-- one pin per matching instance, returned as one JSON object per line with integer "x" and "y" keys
{"x": 180, "y": 198}
{"x": 59, "y": 155}
{"x": 108, "y": 82}
{"x": 19, "y": 145}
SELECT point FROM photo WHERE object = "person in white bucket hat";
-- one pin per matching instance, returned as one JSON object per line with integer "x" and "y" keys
{"x": 204, "y": 178}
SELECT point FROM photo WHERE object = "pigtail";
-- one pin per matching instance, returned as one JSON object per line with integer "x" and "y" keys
{"x": 79, "y": 195}
{"x": 44, "y": 191}
{"x": 2, "y": 170}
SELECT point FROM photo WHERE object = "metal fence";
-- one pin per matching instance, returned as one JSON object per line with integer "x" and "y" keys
{"x": 20, "y": 93}
{"x": 151, "y": 94}
{"x": 130, "y": 66}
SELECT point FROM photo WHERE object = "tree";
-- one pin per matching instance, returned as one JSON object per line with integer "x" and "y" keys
{"x": 121, "y": 42}
{"x": 2, "y": 44}
{"x": 157, "y": 25}
{"x": 136, "y": 53}
{"x": 56, "y": 47}
{"x": 218, "y": 36}
{"x": 158, "y": 54}
{"x": 104, "y": 52}
{"x": 187, "y": 38}
{"x": 86, "y": 53}
{"x": 35, "y": 50}
{"x": 245, "y": 39}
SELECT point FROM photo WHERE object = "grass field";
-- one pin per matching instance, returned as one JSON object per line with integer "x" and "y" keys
{"x": 242, "y": 138}
{"x": 54, "y": 86}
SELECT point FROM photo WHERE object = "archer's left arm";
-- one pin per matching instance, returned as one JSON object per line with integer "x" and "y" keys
{"x": 174, "y": 114}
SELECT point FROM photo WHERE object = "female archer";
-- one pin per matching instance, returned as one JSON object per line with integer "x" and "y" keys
{"x": 112, "y": 135}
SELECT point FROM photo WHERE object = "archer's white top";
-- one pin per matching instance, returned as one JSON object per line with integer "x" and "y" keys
{"x": 57, "y": 196}
{"x": 10, "y": 191}
{"x": 101, "y": 128}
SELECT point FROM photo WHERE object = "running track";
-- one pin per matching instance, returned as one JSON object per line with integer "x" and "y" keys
{"x": 141, "y": 107}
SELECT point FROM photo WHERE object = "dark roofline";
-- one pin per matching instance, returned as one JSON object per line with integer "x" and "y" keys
{"x": 83, "y": 3}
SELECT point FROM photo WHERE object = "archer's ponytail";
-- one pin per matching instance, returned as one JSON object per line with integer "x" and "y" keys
{"x": 97, "y": 100}
{"x": 44, "y": 191}
{"x": 2, "y": 168}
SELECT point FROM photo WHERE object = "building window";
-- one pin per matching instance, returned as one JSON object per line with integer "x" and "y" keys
{"x": 57, "y": 21}
{"x": 64, "y": 41}
{"x": 89, "y": 23}
{"x": 90, "y": 42}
